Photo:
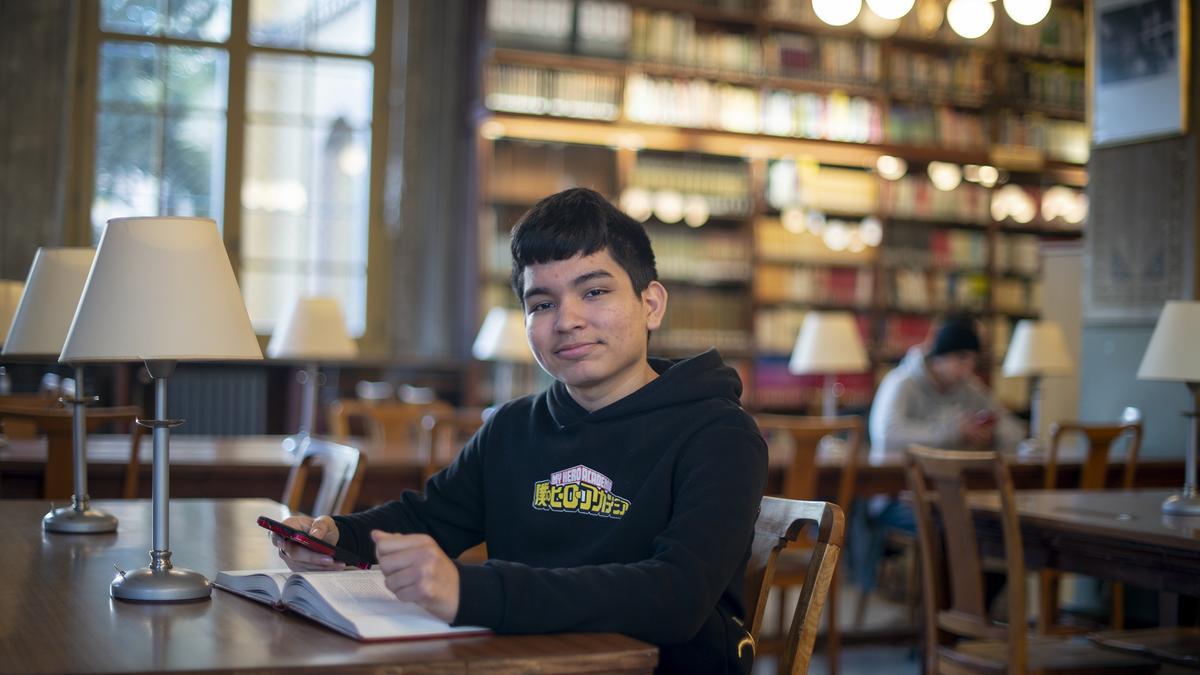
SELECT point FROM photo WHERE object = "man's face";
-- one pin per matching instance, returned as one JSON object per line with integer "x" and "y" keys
{"x": 586, "y": 325}
{"x": 954, "y": 368}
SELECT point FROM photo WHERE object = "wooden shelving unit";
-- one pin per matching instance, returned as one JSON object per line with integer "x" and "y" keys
{"x": 604, "y": 154}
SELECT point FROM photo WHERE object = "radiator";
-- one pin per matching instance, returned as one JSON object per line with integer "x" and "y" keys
{"x": 218, "y": 400}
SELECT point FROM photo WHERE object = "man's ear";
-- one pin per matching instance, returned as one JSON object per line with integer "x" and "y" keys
{"x": 654, "y": 300}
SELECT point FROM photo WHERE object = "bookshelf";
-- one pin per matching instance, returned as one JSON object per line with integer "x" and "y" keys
{"x": 746, "y": 135}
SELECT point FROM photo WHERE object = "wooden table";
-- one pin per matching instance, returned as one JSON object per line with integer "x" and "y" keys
{"x": 1121, "y": 535}
{"x": 56, "y": 616}
{"x": 257, "y": 466}
{"x": 58, "y": 423}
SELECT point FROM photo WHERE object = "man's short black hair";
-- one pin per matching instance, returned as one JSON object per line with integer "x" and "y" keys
{"x": 957, "y": 334}
{"x": 579, "y": 221}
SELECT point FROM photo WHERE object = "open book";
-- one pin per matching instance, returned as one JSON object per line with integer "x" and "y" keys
{"x": 352, "y": 602}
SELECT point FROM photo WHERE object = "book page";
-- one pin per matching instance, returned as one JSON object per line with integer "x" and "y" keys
{"x": 262, "y": 585}
{"x": 359, "y": 604}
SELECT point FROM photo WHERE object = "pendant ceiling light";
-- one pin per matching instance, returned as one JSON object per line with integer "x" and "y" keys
{"x": 970, "y": 18}
{"x": 1027, "y": 12}
{"x": 892, "y": 9}
{"x": 837, "y": 12}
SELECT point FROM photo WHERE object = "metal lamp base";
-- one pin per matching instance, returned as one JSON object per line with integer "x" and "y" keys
{"x": 1182, "y": 505}
{"x": 168, "y": 584}
{"x": 74, "y": 520}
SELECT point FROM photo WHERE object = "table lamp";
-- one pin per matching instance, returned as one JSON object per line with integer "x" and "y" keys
{"x": 39, "y": 328}
{"x": 828, "y": 343}
{"x": 311, "y": 329}
{"x": 1037, "y": 350}
{"x": 10, "y": 295}
{"x": 502, "y": 339}
{"x": 1173, "y": 355}
{"x": 161, "y": 290}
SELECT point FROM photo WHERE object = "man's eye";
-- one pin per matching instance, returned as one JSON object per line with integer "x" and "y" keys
{"x": 595, "y": 292}
{"x": 540, "y": 306}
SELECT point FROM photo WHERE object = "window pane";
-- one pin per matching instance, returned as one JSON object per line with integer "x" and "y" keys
{"x": 160, "y": 137}
{"x": 347, "y": 26}
{"x": 306, "y": 188}
{"x": 198, "y": 19}
{"x": 129, "y": 74}
{"x": 196, "y": 78}
{"x": 192, "y": 19}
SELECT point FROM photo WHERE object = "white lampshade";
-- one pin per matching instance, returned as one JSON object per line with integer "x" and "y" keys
{"x": 10, "y": 295}
{"x": 48, "y": 304}
{"x": 502, "y": 337}
{"x": 1037, "y": 348}
{"x": 829, "y": 342}
{"x": 1172, "y": 353}
{"x": 312, "y": 328}
{"x": 161, "y": 289}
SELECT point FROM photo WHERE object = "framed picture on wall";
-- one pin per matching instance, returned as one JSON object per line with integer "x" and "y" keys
{"x": 1139, "y": 76}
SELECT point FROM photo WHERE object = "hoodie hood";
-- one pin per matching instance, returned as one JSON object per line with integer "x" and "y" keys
{"x": 704, "y": 376}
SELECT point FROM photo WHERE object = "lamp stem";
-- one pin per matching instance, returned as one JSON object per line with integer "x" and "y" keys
{"x": 79, "y": 442}
{"x": 1187, "y": 503}
{"x": 829, "y": 402}
{"x": 1035, "y": 408}
{"x": 161, "y": 487}
{"x": 79, "y": 517}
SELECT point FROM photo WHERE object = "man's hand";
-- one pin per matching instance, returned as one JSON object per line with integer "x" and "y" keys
{"x": 300, "y": 559}
{"x": 976, "y": 433}
{"x": 417, "y": 570}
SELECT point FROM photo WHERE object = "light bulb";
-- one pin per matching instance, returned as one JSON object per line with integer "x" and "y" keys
{"x": 891, "y": 168}
{"x": 837, "y": 12}
{"x": 836, "y": 236}
{"x": 988, "y": 175}
{"x": 945, "y": 176}
{"x": 870, "y": 230}
{"x": 793, "y": 219}
{"x": 637, "y": 203}
{"x": 856, "y": 245}
{"x": 874, "y": 26}
{"x": 895, "y": 9}
{"x": 1027, "y": 12}
{"x": 970, "y": 18}
{"x": 695, "y": 210}
{"x": 816, "y": 222}
{"x": 668, "y": 206}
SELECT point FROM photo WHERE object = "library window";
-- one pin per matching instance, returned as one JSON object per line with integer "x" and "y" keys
{"x": 163, "y": 142}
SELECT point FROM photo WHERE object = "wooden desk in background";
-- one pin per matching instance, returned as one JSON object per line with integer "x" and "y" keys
{"x": 56, "y": 616}
{"x": 1121, "y": 535}
{"x": 257, "y": 466}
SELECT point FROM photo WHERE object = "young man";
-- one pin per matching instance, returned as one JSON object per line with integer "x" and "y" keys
{"x": 622, "y": 498}
{"x": 933, "y": 398}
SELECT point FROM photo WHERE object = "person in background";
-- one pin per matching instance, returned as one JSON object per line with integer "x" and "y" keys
{"x": 934, "y": 398}
{"x": 621, "y": 499}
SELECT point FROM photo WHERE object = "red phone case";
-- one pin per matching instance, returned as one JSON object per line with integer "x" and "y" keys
{"x": 312, "y": 543}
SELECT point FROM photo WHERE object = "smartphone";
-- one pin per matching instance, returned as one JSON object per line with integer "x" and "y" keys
{"x": 314, "y": 544}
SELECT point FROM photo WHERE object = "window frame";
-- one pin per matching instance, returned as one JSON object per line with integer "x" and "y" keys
{"x": 81, "y": 169}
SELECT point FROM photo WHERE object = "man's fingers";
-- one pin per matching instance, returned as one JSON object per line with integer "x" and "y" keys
{"x": 390, "y": 543}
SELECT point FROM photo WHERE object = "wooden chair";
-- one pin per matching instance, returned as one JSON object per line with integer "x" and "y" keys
{"x": 15, "y": 428}
{"x": 1101, "y": 439}
{"x": 779, "y": 522}
{"x": 342, "y": 470}
{"x": 57, "y": 423}
{"x": 442, "y": 436}
{"x": 960, "y": 637}
{"x": 392, "y": 426}
{"x": 800, "y": 483}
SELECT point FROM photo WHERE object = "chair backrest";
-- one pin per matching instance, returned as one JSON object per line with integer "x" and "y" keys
{"x": 800, "y": 479}
{"x": 779, "y": 522}
{"x": 951, "y": 553}
{"x": 392, "y": 426}
{"x": 443, "y": 434}
{"x": 342, "y": 470}
{"x": 16, "y": 428}
{"x": 1101, "y": 439}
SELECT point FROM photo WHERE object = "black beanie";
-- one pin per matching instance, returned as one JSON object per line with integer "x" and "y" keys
{"x": 956, "y": 335}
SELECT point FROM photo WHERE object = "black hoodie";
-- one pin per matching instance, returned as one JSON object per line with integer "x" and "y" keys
{"x": 636, "y": 518}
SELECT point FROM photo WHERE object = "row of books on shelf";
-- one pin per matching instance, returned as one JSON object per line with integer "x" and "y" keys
{"x": 823, "y": 58}
{"x": 702, "y": 104}
{"x": 729, "y": 179}
{"x": 1017, "y": 296}
{"x": 934, "y": 248}
{"x": 838, "y": 286}
{"x": 921, "y": 290}
{"x": 673, "y": 38}
{"x": 915, "y": 197}
{"x": 714, "y": 257}
{"x": 774, "y": 243}
{"x": 1051, "y": 84}
{"x": 679, "y": 341}
{"x": 523, "y": 171}
{"x": 962, "y": 74}
{"x": 724, "y": 314}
